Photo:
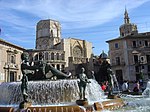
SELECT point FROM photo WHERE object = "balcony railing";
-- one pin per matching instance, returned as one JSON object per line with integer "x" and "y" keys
{"x": 10, "y": 66}
{"x": 118, "y": 64}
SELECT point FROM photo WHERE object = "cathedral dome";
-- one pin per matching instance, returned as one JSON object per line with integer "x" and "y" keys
{"x": 103, "y": 55}
{"x": 127, "y": 28}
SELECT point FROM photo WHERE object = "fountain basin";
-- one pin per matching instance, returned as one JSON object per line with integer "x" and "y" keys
{"x": 112, "y": 104}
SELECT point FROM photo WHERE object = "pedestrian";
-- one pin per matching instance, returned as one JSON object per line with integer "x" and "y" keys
{"x": 125, "y": 87}
{"x": 103, "y": 86}
{"x": 136, "y": 86}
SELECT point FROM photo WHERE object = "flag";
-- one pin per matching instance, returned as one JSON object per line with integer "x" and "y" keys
{"x": 0, "y": 31}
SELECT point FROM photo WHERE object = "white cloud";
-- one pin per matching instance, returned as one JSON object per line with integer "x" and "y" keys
{"x": 22, "y": 15}
{"x": 16, "y": 39}
{"x": 77, "y": 13}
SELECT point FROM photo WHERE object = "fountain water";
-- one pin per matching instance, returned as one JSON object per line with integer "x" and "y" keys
{"x": 137, "y": 103}
{"x": 49, "y": 92}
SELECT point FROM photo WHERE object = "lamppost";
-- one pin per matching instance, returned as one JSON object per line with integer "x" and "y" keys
{"x": 7, "y": 72}
{"x": 140, "y": 68}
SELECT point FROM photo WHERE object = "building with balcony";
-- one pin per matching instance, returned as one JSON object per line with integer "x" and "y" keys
{"x": 10, "y": 61}
{"x": 130, "y": 53}
{"x": 67, "y": 55}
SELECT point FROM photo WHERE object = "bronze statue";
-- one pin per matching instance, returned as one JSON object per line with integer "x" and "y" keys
{"x": 83, "y": 83}
{"x": 26, "y": 70}
{"x": 24, "y": 87}
{"x": 39, "y": 70}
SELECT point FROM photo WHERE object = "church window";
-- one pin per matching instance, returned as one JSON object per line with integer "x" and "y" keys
{"x": 62, "y": 66}
{"x": 146, "y": 43}
{"x": 117, "y": 60}
{"x": 116, "y": 45}
{"x": 135, "y": 58}
{"x": 140, "y": 42}
{"x": 46, "y": 56}
{"x": 52, "y": 56}
{"x": 12, "y": 76}
{"x": 77, "y": 51}
{"x": 51, "y": 33}
{"x": 134, "y": 44}
{"x": 148, "y": 58}
{"x": 62, "y": 56}
{"x": 58, "y": 67}
{"x": 57, "y": 56}
{"x": 12, "y": 59}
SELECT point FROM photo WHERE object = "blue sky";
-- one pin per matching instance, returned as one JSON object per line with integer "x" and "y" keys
{"x": 93, "y": 20}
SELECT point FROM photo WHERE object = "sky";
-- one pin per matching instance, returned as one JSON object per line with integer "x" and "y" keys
{"x": 95, "y": 21}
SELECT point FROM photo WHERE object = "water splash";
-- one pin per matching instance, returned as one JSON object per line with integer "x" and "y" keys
{"x": 146, "y": 92}
{"x": 48, "y": 92}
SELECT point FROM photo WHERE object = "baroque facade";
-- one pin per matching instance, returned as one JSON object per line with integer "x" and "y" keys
{"x": 130, "y": 53}
{"x": 10, "y": 61}
{"x": 67, "y": 55}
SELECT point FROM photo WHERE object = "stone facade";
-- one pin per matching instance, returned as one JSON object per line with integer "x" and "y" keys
{"x": 10, "y": 61}
{"x": 130, "y": 53}
{"x": 67, "y": 55}
{"x": 48, "y": 34}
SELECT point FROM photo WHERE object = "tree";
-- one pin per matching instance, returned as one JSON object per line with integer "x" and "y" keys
{"x": 103, "y": 74}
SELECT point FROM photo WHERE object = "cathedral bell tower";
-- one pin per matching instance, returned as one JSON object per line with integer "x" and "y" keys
{"x": 48, "y": 34}
{"x": 127, "y": 28}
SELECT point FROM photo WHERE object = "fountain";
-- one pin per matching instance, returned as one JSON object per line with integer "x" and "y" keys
{"x": 62, "y": 95}
{"x": 50, "y": 94}
{"x": 47, "y": 92}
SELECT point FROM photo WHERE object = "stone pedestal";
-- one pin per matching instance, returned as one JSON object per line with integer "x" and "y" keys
{"x": 24, "y": 105}
{"x": 113, "y": 96}
{"x": 82, "y": 102}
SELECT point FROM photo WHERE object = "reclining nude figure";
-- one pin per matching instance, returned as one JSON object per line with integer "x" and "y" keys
{"x": 39, "y": 71}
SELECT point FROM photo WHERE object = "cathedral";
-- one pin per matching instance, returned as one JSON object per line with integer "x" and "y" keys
{"x": 65, "y": 54}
